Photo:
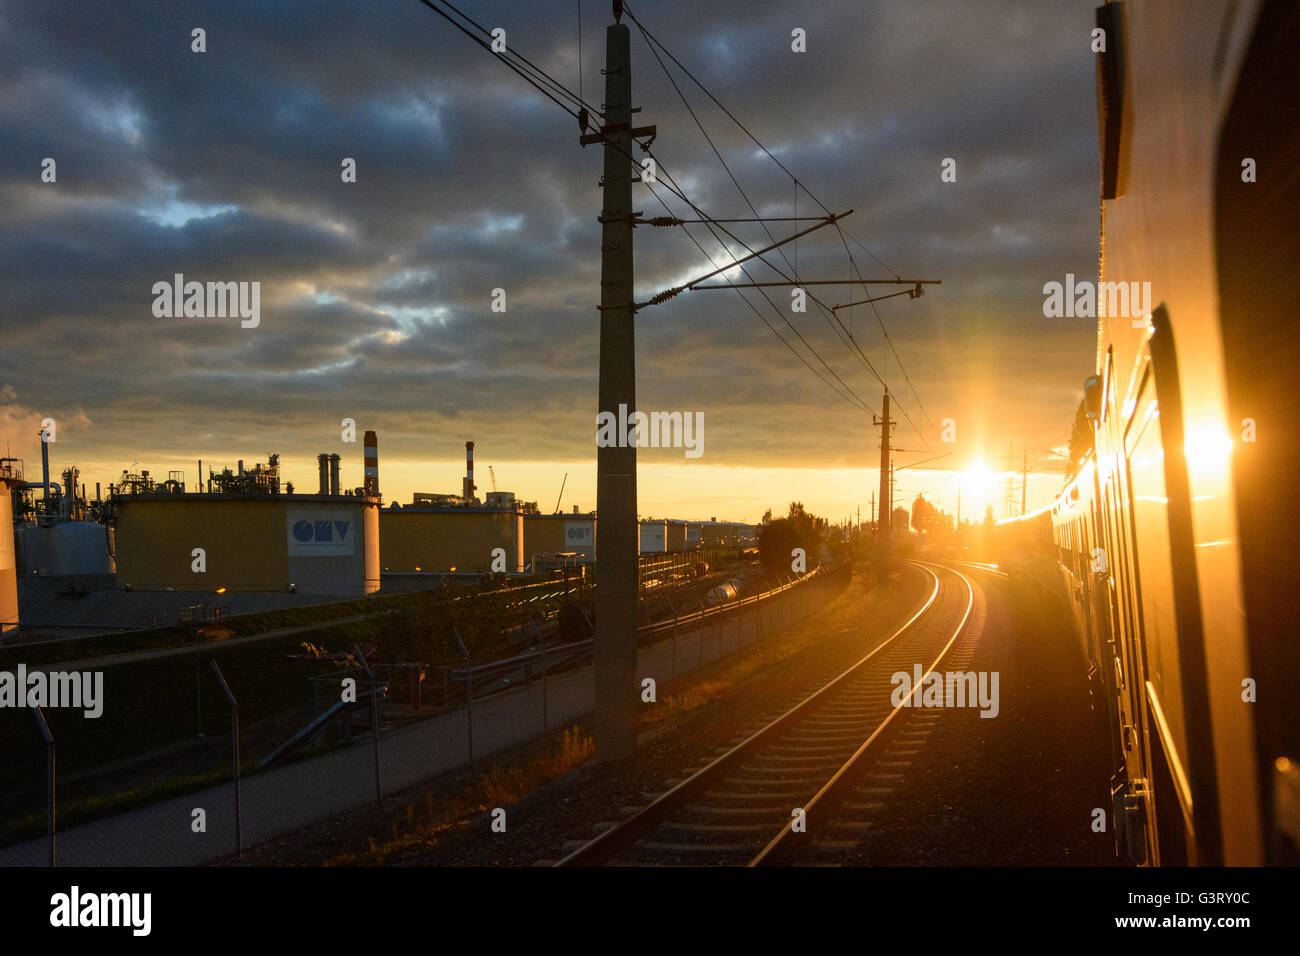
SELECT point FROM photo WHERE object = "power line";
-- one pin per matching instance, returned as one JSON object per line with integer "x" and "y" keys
{"x": 654, "y": 42}
{"x": 535, "y": 75}
{"x": 795, "y": 179}
{"x": 550, "y": 87}
{"x": 827, "y": 313}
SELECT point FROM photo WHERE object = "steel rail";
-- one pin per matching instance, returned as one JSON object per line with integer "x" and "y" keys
{"x": 784, "y": 843}
{"x": 605, "y": 845}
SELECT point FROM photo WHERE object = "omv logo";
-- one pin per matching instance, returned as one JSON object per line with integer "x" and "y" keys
{"x": 321, "y": 532}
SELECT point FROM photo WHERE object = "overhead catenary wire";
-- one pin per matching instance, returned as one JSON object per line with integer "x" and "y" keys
{"x": 827, "y": 313}
{"x": 558, "y": 93}
{"x": 654, "y": 42}
{"x": 535, "y": 75}
{"x": 795, "y": 179}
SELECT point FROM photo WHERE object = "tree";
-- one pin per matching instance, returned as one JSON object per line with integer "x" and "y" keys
{"x": 924, "y": 516}
{"x": 899, "y": 520}
{"x": 777, "y": 540}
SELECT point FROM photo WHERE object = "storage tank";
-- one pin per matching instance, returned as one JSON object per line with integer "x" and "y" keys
{"x": 654, "y": 537}
{"x": 580, "y": 535}
{"x": 65, "y": 548}
{"x": 436, "y": 540}
{"x": 326, "y": 545}
{"x": 8, "y": 567}
{"x": 676, "y": 536}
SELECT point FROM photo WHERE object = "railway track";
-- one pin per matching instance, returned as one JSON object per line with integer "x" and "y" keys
{"x": 794, "y": 791}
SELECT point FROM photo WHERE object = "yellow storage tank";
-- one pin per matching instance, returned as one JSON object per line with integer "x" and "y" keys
{"x": 316, "y": 544}
{"x": 8, "y": 566}
{"x": 443, "y": 539}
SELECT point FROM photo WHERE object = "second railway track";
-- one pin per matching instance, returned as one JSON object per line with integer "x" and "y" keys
{"x": 790, "y": 792}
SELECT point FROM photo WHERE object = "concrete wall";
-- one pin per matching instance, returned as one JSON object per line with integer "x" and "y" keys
{"x": 438, "y": 540}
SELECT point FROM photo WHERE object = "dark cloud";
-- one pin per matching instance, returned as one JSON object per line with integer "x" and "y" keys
{"x": 376, "y": 295}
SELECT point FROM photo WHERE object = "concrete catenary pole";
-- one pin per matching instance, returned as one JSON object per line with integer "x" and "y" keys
{"x": 616, "y": 527}
{"x": 886, "y": 505}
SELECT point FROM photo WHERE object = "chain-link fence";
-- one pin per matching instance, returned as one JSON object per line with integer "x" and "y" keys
{"x": 197, "y": 753}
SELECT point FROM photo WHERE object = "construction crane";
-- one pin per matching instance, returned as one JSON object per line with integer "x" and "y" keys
{"x": 557, "y": 500}
{"x": 493, "y": 475}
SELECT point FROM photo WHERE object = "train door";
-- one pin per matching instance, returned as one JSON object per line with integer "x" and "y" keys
{"x": 1130, "y": 788}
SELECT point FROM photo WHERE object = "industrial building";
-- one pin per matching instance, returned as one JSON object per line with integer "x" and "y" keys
{"x": 726, "y": 534}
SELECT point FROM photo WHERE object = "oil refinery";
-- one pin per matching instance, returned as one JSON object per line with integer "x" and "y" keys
{"x": 140, "y": 551}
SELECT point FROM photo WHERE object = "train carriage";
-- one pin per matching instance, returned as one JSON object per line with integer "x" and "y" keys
{"x": 1175, "y": 565}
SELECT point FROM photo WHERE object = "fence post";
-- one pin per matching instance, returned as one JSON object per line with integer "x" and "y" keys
{"x": 699, "y": 632}
{"x": 469, "y": 697}
{"x": 674, "y": 608}
{"x": 374, "y": 717}
{"x": 198, "y": 686}
{"x": 234, "y": 753}
{"x": 546, "y": 719}
{"x": 49, "y": 778}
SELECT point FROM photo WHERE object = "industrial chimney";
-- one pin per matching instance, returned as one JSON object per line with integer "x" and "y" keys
{"x": 371, "y": 481}
{"x": 334, "y": 474}
{"x": 323, "y": 463}
{"x": 468, "y": 486}
{"x": 45, "y": 469}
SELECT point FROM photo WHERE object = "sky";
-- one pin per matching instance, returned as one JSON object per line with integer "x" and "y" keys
{"x": 376, "y": 295}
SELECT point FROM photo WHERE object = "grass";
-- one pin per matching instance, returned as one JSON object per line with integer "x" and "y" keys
{"x": 415, "y": 831}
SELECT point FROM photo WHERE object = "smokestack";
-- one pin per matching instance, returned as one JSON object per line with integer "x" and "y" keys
{"x": 97, "y": 491}
{"x": 198, "y": 487}
{"x": 371, "y": 480}
{"x": 467, "y": 491}
{"x": 323, "y": 463}
{"x": 575, "y": 509}
{"x": 334, "y": 474}
{"x": 45, "y": 470}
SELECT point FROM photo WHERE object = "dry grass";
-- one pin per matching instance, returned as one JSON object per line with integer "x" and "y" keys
{"x": 499, "y": 786}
